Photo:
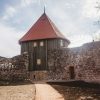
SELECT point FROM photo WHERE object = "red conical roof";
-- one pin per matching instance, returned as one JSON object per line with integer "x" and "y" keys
{"x": 44, "y": 28}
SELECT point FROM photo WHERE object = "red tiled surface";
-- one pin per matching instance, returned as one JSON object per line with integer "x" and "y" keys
{"x": 44, "y": 28}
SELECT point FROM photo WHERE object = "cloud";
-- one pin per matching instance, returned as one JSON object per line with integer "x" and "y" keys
{"x": 89, "y": 9}
{"x": 78, "y": 40}
{"x": 9, "y": 41}
{"x": 25, "y": 3}
{"x": 10, "y": 11}
{"x": 74, "y": 18}
{"x": 96, "y": 36}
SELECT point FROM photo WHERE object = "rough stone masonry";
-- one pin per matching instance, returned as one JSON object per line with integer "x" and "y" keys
{"x": 14, "y": 69}
{"x": 84, "y": 60}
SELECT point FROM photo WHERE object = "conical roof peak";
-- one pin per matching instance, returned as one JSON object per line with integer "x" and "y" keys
{"x": 44, "y": 28}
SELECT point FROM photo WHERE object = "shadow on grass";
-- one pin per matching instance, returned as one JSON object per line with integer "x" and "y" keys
{"x": 14, "y": 83}
{"x": 74, "y": 90}
{"x": 81, "y": 84}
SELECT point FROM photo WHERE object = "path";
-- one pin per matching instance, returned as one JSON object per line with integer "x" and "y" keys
{"x": 47, "y": 92}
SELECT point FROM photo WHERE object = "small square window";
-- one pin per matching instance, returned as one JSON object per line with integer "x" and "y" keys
{"x": 38, "y": 61}
{"x": 61, "y": 43}
{"x": 34, "y": 44}
{"x": 41, "y": 43}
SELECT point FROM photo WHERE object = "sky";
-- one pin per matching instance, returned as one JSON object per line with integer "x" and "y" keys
{"x": 74, "y": 18}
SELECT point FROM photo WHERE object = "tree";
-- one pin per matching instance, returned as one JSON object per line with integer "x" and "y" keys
{"x": 97, "y": 34}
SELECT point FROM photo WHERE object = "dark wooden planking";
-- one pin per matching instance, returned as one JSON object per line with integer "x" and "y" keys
{"x": 40, "y": 52}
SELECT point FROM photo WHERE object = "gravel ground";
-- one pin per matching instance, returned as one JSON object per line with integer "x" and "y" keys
{"x": 19, "y": 92}
{"x": 48, "y": 92}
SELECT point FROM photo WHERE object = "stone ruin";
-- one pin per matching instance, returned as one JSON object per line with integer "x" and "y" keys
{"x": 84, "y": 62}
{"x": 14, "y": 69}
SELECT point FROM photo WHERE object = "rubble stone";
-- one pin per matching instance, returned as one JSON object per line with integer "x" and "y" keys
{"x": 84, "y": 59}
{"x": 14, "y": 69}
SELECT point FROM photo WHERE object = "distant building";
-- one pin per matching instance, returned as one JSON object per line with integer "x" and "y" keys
{"x": 42, "y": 37}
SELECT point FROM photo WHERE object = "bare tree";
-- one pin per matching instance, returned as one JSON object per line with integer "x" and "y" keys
{"x": 97, "y": 35}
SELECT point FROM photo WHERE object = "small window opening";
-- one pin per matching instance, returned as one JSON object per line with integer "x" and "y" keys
{"x": 41, "y": 43}
{"x": 38, "y": 61}
{"x": 61, "y": 43}
{"x": 35, "y": 44}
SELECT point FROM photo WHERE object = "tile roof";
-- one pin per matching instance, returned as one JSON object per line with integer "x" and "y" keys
{"x": 44, "y": 28}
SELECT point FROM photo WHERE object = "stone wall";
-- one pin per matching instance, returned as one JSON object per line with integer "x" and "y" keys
{"x": 57, "y": 61}
{"x": 84, "y": 59}
{"x": 88, "y": 62}
{"x": 38, "y": 75}
{"x": 12, "y": 69}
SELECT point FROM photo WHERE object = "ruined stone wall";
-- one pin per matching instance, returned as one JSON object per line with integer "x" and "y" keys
{"x": 39, "y": 75}
{"x": 58, "y": 62}
{"x": 12, "y": 69}
{"x": 88, "y": 62}
{"x": 84, "y": 59}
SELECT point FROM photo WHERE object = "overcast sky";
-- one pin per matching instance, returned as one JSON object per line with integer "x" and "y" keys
{"x": 74, "y": 18}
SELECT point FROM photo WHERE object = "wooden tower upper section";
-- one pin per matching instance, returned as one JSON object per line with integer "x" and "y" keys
{"x": 42, "y": 37}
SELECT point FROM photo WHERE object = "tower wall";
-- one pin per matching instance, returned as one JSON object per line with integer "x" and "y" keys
{"x": 38, "y": 52}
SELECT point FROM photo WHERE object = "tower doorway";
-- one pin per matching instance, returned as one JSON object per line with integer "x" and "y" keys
{"x": 72, "y": 72}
